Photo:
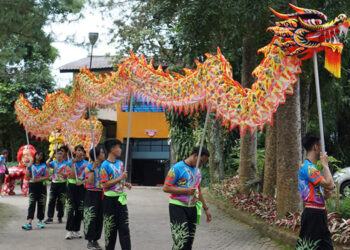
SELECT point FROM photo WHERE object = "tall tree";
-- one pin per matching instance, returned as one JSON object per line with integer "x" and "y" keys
{"x": 270, "y": 168}
{"x": 25, "y": 58}
{"x": 288, "y": 153}
{"x": 247, "y": 164}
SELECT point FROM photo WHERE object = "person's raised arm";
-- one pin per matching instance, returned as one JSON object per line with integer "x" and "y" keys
{"x": 28, "y": 172}
{"x": 72, "y": 173}
{"x": 49, "y": 160}
{"x": 327, "y": 181}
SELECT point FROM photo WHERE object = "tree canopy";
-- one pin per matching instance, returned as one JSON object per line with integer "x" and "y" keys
{"x": 25, "y": 58}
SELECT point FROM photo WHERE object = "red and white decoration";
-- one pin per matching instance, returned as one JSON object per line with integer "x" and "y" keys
{"x": 151, "y": 132}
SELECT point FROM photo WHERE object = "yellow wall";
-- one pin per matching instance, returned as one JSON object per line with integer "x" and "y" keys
{"x": 140, "y": 121}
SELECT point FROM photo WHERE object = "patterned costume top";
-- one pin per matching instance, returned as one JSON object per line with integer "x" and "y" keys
{"x": 79, "y": 168}
{"x": 181, "y": 175}
{"x": 309, "y": 187}
{"x": 110, "y": 171}
{"x": 58, "y": 167}
{"x": 38, "y": 171}
{"x": 97, "y": 183}
{"x": 2, "y": 165}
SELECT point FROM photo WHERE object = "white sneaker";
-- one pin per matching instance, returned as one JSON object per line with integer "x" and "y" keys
{"x": 69, "y": 235}
{"x": 77, "y": 235}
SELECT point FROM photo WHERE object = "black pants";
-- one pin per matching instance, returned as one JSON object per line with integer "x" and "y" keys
{"x": 115, "y": 219}
{"x": 2, "y": 179}
{"x": 93, "y": 215}
{"x": 75, "y": 206}
{"x": 57, "y": 199}
{"x": 314, "y": 230}
{"x": 37, "y": 195}
{"x": 183, "y": 226}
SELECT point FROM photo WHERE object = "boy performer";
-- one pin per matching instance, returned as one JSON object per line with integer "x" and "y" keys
{"x": 75, "y": 193}
{"x": 93, "y": 213}
{"x": 58, "y": 187}
{"x": 38, "y": 173}
{"x": 314, "y": 225}
{"x": 179, "y": 183}
{"x": 115, "y": 211}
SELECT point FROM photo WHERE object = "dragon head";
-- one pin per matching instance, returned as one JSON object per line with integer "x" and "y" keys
{"x": 306, "y": 31}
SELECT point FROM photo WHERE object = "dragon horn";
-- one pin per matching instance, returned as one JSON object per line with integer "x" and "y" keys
{"x": 297, "y": 9}
{"x": 283, "y": 16}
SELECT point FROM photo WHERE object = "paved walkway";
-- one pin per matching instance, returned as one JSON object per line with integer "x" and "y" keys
{"x": 149, "y": 225}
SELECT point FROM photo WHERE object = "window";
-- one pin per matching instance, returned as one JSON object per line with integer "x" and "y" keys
{"x": 141, "y": 106}
{"x": 151, "y": 145}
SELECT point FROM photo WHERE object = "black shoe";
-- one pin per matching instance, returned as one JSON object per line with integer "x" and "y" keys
{"x": 60, "y": 220}
{"x": 96, "y": 245}
{"x": 48, "y": 221}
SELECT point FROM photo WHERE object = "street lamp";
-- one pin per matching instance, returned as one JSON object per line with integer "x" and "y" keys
{"x": 93, "y": 36}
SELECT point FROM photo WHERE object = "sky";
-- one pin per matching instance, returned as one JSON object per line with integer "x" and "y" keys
{"x": 68, "y": 52}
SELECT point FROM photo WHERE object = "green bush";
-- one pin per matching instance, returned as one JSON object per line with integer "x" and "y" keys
{"x": 12, "y": 164}
{"x": 344, "y": 207}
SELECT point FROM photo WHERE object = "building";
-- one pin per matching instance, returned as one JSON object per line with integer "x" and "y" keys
{"x": 149, "y": 151}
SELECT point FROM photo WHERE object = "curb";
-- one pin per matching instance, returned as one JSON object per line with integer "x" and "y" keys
{"x": 274, "y": 233}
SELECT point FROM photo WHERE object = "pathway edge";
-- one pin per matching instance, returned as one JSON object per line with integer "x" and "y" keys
{"x": 277, "y": 234}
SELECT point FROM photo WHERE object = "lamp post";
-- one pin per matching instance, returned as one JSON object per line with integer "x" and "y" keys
{"x": 93, "y": 36}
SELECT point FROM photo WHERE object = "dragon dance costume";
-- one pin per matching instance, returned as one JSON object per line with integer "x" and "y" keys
{"x": 115, "y": 210}
{"x": 93, "y": 213}
{"x": 58, "y": 190}
{"x": 37, "y": 191}
{"x": 183, "y": 218}
{"x": 75, "y": 197}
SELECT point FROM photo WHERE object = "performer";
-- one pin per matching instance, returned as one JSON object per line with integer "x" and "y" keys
{"x": 179, "y": 183}
{"x": 75, "y": 192}
{"x": 58, "y": 187}
{"x": 3, "y": 168}
{"x": 314, "y": 188}
{"x": 115, "y": 211}
{"x": 93, "y": 213}
{"x": 38, "y": 173}
{"x": 66, "y": 153}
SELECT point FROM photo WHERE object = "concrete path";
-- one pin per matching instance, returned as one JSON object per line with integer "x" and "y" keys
{"x": 149, "y": 225}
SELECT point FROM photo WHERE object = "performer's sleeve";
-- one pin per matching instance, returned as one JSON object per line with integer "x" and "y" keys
{"x": 86, "y": 172}
{"x": 46, "y": 172}
{"x": 171, "y": 177}
{"x": 314, "y": 175}
{"x": 68, "y": 168}
{"x": 51, "y": 165}
{"x": 104, "y": 174}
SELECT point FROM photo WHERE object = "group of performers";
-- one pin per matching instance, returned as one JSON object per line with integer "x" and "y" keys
{"x": 93, "y": 192}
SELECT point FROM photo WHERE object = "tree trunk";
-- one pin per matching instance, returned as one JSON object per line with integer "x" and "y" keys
{"x": 288, "y": 154}
{"x": 172, "y": 153}
{"x": 270, "y": 161}
{"x": 248, "y": 143}
{"x": 215, "y": 147}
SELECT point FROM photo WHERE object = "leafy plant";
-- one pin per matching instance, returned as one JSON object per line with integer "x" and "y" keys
{"x": 265, "y": 209}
